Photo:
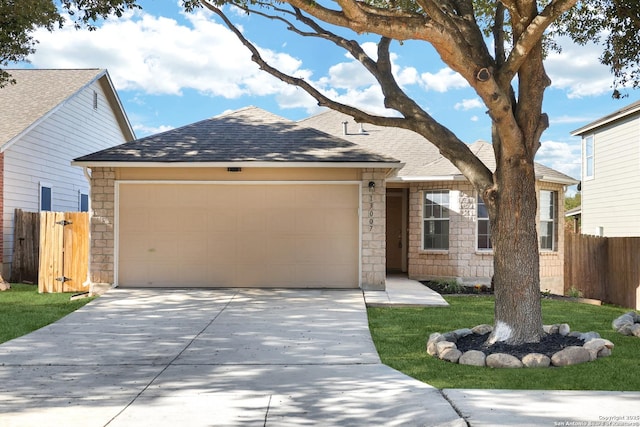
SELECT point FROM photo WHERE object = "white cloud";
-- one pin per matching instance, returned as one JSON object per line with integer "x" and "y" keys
{"x": 348, "y": 75}
{"x": 443, "y": 81}
{"x": 469, "y": 104}
{"x": 142, "y": 130}
{"x": 578, "y": 71}
{"x": 475, "y": 118}
{"x": 158, "y": 55}
{"x": 561, "y": 156}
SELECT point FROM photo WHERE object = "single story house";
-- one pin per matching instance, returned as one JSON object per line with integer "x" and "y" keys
{"x": 250, "y": 199}
{"x": 50, "y": 117}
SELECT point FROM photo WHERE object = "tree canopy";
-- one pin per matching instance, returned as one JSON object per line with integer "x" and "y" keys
{"x": 20, "y": 18}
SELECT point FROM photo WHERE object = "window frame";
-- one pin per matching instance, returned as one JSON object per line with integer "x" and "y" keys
{"x": 553, "y": 220}
{"x": 480, "y": 202}
{"x": 82, "y": 195}
{"x": 444, "y": 209}
{"x": 589, "y": 156}
{"x": 41, "y": 187}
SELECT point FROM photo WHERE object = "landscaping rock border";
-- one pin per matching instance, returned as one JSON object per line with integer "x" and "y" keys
{"x": 628, "y": 324}
{"x": 443, "y": 346}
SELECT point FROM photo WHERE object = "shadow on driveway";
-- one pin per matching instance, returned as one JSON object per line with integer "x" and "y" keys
{"x": 228, "y": 357}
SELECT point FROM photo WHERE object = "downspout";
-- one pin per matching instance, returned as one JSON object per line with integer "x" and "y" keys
{"x": 87, "y": 174}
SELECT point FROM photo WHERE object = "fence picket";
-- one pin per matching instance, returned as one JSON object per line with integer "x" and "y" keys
{"x": 604, "y": 268}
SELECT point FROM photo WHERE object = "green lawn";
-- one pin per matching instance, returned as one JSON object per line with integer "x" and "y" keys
{"x": 23, "y": 309}
{"x": 400, "y": 335}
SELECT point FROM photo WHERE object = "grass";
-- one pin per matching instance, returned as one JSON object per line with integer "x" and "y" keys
{"x": 400, "y": 335}
{"x": 23, "y": 310}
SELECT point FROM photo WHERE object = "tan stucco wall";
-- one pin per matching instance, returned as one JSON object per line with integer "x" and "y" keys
{"x": 372, "y": 210}
{"x": 463, "y": 261}
{"x": 247, "y": 174}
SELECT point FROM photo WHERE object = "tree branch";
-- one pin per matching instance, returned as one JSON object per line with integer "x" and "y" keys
{"x": 531, "y": 35}
{"x": 415, "y": 118}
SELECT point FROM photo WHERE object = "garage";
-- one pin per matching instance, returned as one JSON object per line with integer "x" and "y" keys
{"x": 237, "y": 234}
{"x": 245, "y": 199}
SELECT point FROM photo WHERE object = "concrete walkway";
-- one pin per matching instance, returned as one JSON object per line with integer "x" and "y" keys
{"x": 211, "y": 358}
{"x": 403, "y": 292}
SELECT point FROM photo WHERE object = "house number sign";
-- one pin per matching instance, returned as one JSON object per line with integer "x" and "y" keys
{"x": 370, "y": 208}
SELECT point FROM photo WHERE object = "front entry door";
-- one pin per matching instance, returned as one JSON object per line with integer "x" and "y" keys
{"x": 395, "y": 230}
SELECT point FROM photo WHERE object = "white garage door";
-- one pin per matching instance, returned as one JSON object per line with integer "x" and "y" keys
{"x": 238, "y": 235}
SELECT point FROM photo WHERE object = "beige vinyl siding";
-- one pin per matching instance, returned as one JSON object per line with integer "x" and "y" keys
{"x": 45, "y": 152}
{"x": 611, "y": 199}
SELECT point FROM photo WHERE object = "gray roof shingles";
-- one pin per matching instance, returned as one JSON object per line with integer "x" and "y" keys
{"x": 247, "y": 135}
{"x": 421, "y": 158}
{"x": 35, "y": 94}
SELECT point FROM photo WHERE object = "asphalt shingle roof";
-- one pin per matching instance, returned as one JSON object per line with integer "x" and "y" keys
{"x": 421, "y": 158}
{"x": 249, "y": 134}
{"x": 35, "y": 93}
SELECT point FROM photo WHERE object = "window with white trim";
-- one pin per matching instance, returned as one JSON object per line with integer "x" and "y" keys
{"x": 483, "y": 226}
{"x": 548, "y": 220}
{"x": 588, "y": 156}
{"x": 45, "y": 200}
{"x": 436, "y": 220}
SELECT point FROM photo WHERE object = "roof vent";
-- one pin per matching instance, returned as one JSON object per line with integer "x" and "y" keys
{"x": 344, "y": 128}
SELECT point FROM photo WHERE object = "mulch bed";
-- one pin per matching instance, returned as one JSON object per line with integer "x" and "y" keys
{"x": 548, "y": 345}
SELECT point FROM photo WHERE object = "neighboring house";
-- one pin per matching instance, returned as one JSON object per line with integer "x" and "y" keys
{"x": 252, "y": 199}
{"x": 610, "y": 174}
{"x": 50, "y": 117}
{"x": 436, "y": 224}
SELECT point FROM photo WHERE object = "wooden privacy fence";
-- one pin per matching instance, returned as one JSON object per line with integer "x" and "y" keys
{"x": 604, "y": 268}
{"x": 60, "y": 248}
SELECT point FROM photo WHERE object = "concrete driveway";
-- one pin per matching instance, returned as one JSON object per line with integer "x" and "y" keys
{"x": 211, "y": 358}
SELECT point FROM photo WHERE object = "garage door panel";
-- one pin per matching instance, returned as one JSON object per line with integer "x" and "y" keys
{"x": 192, "y": 246}
{"x": 282, "y": 275}
{"x": 137, "y": 220}
{"x": 244, "y": 235}
{"x": 279, "y": 220}
{"x": 284, "y": 197}
{"x": 222, "y": 248}
{"x": 134, "y": 197}
{"x": 221, "y": 219}
{"x": 163, "y": 247}
{"x": 252, "y": 220}
{"x": 192, "y": 220}
{"x": 282, "y": 250}
{"x": 340, "y": 221}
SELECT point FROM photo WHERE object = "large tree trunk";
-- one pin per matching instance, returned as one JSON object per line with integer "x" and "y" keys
{"x": 516, "y": 280}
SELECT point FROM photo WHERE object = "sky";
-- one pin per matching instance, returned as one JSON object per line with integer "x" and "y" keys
{"x": 171, "y": 69}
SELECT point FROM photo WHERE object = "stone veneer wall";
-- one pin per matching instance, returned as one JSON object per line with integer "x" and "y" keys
{"x": 373, "y": 230}
{"x": 463, "y": 261}
{"x": 552, "y": 262}
{"x": 101, "y": 262}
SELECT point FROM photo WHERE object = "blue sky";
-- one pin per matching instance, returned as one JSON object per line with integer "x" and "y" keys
{"x": 172, "y": 69}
